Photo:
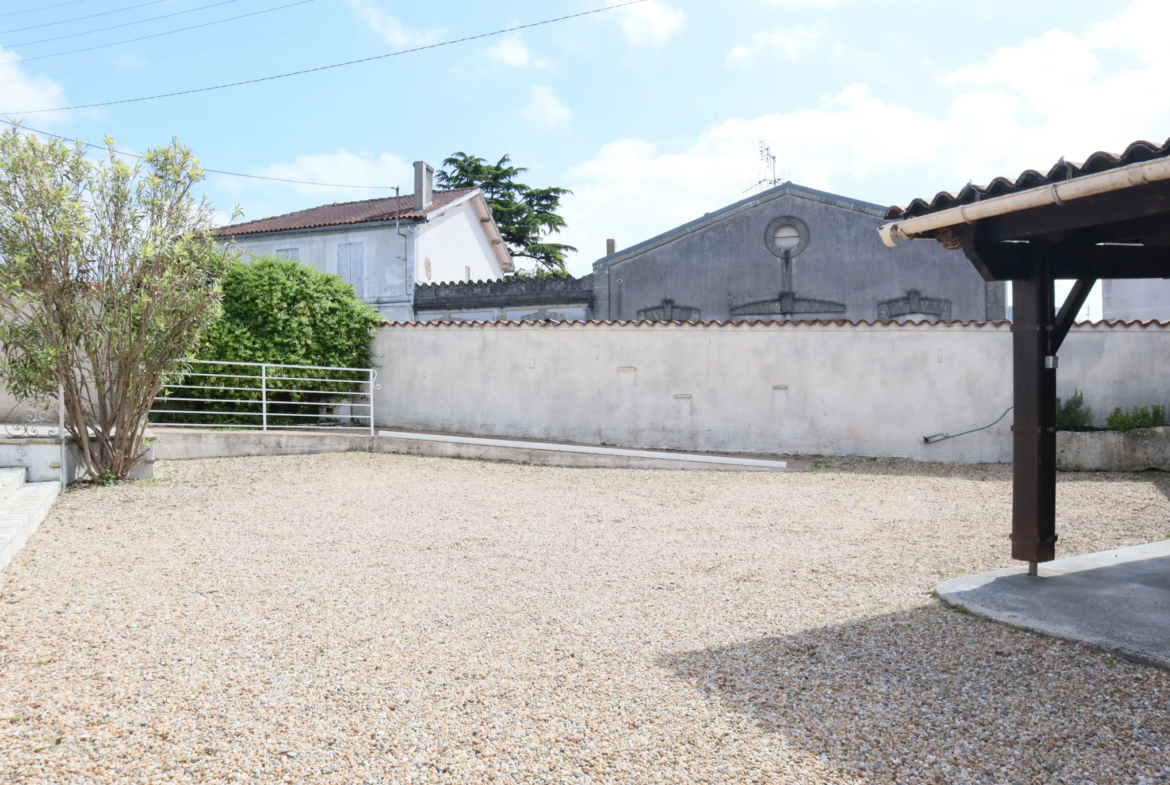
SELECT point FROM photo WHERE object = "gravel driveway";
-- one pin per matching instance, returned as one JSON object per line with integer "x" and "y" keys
{"x": 377, "y": 618}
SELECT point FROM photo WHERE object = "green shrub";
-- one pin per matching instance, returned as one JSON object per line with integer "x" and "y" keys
{"x": 1137, "y": 417}
{"x": 278, "y": 311}
{"x": 1073, "y": 415}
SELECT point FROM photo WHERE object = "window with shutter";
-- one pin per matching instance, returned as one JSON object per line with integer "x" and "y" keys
{"x": 351, "y": 266}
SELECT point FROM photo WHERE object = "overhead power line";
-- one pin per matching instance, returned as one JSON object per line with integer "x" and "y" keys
{"x": 124, "y": 24}
{"x": 18, "y": 126}
{"x": 334, "y": 65}
{"x": 79, "y": 18}
{"x": 42, "y": 8}
{"x": 157, "y": 35}
{"x": 220, "y": 43}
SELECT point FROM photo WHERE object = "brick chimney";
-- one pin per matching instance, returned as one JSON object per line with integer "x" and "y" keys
{"x": 610, "y": 247}
{"x": 424, "y": 184}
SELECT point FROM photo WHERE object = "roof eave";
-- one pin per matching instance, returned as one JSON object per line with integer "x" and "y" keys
{"x": 1111, "y": 180}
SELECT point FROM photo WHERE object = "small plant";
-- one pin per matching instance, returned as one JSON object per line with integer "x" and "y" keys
{"x": 1136, "y": 417}
{"x": 109, "y": 478}
{"x": 1073, "y": 415}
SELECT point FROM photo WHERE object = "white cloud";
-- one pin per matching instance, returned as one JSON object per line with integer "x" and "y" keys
{"x": 652, "y": 22}
{"x": 390, "y": 27}
{"x": 545, "y": 111}
{"x": 1022, "y": 107}
{"x": 512, "y": 51}
{"x": 340, "y": 167}
{"x": 24, "y": 92}
{"x": 787, "y": 42}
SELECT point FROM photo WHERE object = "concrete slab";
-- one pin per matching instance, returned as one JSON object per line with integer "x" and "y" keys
{"x": 1115, "y": 600}
{"x": 21, "y": 512}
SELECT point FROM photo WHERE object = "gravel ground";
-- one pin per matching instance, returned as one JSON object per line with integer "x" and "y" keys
{"x": 376, "y": 618}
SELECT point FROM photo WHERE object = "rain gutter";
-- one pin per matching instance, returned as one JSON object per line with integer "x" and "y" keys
{"x": 1056, "y": 193}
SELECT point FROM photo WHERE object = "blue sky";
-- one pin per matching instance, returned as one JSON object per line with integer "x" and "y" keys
{"x": 652, "y": 114}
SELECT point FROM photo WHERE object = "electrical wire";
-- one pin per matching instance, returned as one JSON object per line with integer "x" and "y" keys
{"x": 79, "y": 18}
{"x": 171, "y": 53}
{"x": 42, "y": 8}
{"x": 942, "y": 437}
{"x": 124, "y": 24}
{"x": 19, "y": 127}
{"x": 335, "y": 65}
{"x": 157, "y": 35}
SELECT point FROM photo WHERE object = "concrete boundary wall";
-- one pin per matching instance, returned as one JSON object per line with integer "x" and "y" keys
{"x": 806, "y": 388}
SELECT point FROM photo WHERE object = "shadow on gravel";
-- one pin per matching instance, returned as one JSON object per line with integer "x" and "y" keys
{"x": 934, "y": 695}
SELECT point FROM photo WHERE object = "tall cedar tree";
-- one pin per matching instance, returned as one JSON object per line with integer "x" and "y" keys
{"x": 526, "y": 216}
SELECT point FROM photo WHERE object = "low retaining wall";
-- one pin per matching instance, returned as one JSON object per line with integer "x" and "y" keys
{"x": 179, "y": 445}
{"x": 41, "y": 458}
{"x": 1113, "y": 451}
{"x": 805, "y": 388}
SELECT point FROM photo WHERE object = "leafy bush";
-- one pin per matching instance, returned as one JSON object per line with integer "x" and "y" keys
{"x": 1073, "y": 415}
{"x": 1137, "y": 417}
{"x": 109, "y": 273}
{"x": 278, "y": 311}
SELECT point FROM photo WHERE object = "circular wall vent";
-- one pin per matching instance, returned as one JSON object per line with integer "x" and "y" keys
{"x": 786, "y": 237}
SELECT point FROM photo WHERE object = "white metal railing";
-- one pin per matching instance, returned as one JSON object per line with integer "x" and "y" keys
{"x": 274, "y": 398}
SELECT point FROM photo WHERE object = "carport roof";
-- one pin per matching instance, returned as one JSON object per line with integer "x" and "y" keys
{"x": 1062, "y": 170}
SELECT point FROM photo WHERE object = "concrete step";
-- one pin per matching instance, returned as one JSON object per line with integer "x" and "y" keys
{"x": 21, "y": 512}
{"x": 10, "y": 481}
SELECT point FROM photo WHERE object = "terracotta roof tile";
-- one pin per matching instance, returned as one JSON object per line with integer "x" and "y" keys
{"x": 715, "y": 323}
{"x": 1138, "y": 152}
{"x": 346, "y": 213}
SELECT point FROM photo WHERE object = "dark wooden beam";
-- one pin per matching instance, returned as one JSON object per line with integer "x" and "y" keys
{"x": 1109, "y": 261}
{"x": 1034, "y": 429}
{"x": 1149, "y": 230}
{"x": 1143, "y": 201}
{"x": 1068, "y": 312}
{"x": 1007, "y": 261}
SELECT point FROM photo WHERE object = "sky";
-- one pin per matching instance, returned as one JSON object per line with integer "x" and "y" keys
{"x": 652, "y": 114}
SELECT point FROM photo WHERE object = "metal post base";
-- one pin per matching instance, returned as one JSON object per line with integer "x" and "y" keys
{"x": 1032, "y": 569}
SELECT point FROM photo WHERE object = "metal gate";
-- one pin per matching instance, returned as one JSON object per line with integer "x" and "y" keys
{"x": 267, "y": 396}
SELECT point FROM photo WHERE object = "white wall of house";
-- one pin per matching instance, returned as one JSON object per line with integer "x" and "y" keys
{"x": 391, "y": 259}
{"x": 458, "y": 249}
{"x": 382, "y": 274}
{"x": 1143, "y": 299}
{"x": 782, "y": 389}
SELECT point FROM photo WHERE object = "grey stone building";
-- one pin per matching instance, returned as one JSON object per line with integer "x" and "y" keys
{"x": 788, "y": 253}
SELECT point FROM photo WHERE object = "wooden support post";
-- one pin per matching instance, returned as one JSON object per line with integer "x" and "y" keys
{"x": 1034, "y": 431}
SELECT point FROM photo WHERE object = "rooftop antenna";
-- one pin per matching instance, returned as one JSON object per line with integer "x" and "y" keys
{"x": 768, "y": 159}
{"x": 769, "y": 162}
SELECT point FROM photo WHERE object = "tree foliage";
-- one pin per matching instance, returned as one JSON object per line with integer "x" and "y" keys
{"x": 109, "y": 273}
{"x": 283, "y": 312}
{"x": 526, "y": 216}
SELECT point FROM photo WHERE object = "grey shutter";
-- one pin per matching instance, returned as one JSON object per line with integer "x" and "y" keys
{"x": 357, "y": 268}
{"x": 343, "y": 261}
{"x": 351, "y": 266}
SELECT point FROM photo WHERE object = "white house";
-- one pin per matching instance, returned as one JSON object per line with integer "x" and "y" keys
{"x": 384, "y": 247}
